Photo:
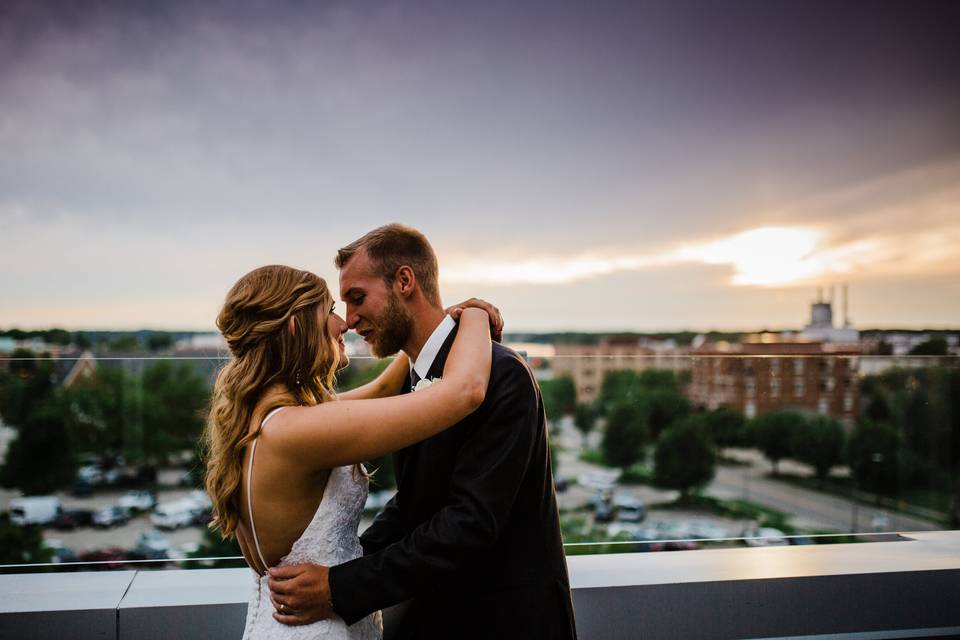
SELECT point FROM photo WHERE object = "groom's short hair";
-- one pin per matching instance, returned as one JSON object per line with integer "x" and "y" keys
{"x": 393, "y": 246}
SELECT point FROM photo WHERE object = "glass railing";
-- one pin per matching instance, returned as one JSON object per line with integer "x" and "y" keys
{"x": 663, "y": 451}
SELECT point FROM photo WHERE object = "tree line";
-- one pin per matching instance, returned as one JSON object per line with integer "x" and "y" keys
{"x": 110, "y": 414}
{"x": 907, "y": 436}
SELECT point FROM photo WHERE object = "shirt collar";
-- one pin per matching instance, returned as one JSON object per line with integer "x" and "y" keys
{"x": 432, "y": 346}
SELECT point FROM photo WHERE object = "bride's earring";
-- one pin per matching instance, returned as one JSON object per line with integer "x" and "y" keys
{"x": 298, "y": 377}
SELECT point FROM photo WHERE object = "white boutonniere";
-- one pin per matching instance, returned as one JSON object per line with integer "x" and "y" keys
{"x": 426, "y": 382}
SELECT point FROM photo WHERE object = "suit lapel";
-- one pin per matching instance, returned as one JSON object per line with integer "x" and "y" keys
{"x": 408, "y": 455}
{"x": 436, "y": 369}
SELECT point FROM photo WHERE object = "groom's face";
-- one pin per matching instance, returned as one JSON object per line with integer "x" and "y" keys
{"x": 374, "y": 310}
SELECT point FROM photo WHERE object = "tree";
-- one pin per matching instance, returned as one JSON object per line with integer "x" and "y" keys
{"x": 40, "y": 458}
{"x": 877, "y": 408}
{"x": 158, "y": 341}
{"x": 559, "y": 396}
{"x": 125, "y": 343}
{"x": 57, "y": 336}
{"x": 625, "y": 436}
{"x": 820, "y": 444}
{"x": 936, "y": 346}
{"x": 213, "y": 545}
{"x": 360, "y": 372}
{"x": 628, "y": 386}
{"x": 874, "y": 449}
{"x": 663, "y": 407}
{"x": 658, "y": 379}
{"x": 952, "y": 448}
{"x": 175, "y": 401}
{"x": 104, "y": 413}
{"x": 384, "y": 475}
{"x": 685, "y": 457}
{"x": 726, "y": 427}
{"x": 22, "y": 544}
{"x": 773, "y": 433}
{"x": 81, "y": 340}
{"x": 584, "y": 419}
{"x": 28, "y": 383}
{"x": 619, "y": 387}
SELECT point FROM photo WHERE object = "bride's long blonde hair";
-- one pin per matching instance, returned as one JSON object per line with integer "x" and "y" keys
{"x": 277, "y": 339}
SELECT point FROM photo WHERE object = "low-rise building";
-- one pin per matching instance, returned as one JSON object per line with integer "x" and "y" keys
{"x": 758, "y": 376}
{"x": 588, "y": 364}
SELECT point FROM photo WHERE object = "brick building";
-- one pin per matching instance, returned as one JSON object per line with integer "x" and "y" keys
{"x": 757, "y": 377}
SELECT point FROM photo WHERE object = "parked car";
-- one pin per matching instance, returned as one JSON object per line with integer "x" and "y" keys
{"x": 90, "y": 474}
{"x": 111, "y": 516}
{"x": 628, "y": 530}
{"x": 203, "y": 514}
{"x": 629, "y": 508}
{"x": 201, "y": 499}
{"x": 34, "y": 510}
{"x": 175, "y": 514}
{"x": 202, "y": 517}
{"x": 70, "y": 519}
{"x": 61, "y": 552}
{"x": 139, "y": 500}
{"x": 560, "y": 483}
{"x": 765, "y": 537}
{"x": 704, "y": 529}
{"x": 81, "y": 489}
{"x": 599, "y": 480}
{"x": 602, "y": 512}
{"x": 111, "y": 557}
{"x": 376, "y": 500}
{"x": 153, "y": 545}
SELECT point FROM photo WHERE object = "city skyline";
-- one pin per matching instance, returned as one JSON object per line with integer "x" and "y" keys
{"x": 604, "y": 168}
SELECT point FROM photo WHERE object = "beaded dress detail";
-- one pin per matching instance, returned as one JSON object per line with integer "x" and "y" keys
{"x": 329, "y": 539}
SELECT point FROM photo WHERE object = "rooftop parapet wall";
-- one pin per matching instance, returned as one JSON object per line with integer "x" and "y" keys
{"x": 900, "y": 589}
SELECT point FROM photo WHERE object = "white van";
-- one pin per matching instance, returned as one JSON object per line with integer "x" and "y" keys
{"x": 173, "y": 515}
{"x": 34, "y": 510}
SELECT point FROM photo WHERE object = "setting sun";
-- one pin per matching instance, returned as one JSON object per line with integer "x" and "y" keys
{"x": 765, "y": 256}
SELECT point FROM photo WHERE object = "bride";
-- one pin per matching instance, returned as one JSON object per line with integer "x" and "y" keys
{"x": 284, "y": 452}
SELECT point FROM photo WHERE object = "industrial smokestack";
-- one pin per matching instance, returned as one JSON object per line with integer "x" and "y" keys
{"x": 846, "y": 304}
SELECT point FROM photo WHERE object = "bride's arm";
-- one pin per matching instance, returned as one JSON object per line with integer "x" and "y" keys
{"x": 340, "y": 433}
{"x": 387, "y": 384}
{"x": 390, "y": 381}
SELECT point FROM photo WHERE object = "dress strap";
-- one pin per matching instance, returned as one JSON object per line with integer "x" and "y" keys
{"x": 253, "y": 450}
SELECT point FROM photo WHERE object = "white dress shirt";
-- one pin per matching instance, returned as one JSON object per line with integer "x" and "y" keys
{"x": 432, "y": 346}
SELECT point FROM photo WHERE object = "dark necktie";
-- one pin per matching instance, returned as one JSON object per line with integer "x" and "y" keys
{"x": 414, "y": 379}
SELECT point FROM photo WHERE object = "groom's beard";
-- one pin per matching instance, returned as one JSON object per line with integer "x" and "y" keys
{"x": 392, "y": 329}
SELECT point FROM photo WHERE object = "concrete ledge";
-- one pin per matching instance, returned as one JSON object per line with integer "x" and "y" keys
{"x": 902, "y": 589}
{"x": 62, "y": 605}
{"x": 197, "y": 603}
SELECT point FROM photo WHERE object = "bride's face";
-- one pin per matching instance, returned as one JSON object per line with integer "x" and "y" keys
{"x": 336, "y": 327}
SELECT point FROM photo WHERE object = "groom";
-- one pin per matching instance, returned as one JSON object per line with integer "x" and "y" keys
{"x": 472, "y": 537}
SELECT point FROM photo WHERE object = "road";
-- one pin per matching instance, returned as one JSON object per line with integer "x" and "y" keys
{"x": 810, "y": 510}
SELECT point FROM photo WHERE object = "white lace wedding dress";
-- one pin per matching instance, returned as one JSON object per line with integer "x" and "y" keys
{"x": 329, "y": 539}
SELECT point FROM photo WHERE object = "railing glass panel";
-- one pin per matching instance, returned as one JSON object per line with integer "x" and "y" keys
{"x": 721, "y": 446}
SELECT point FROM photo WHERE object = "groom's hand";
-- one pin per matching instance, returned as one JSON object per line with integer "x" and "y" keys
{"x": 301, "y": 593}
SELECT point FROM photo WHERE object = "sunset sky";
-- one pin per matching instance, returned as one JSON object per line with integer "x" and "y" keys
{"x": 583, "y": 165}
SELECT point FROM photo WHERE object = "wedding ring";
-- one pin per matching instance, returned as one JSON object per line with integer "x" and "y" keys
{"x": 282, "y": 607}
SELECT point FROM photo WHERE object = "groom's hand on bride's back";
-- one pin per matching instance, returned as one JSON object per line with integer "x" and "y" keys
{"x": 301, "y": 593}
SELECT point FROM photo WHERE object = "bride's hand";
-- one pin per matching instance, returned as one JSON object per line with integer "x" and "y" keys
{"x": 496, "y": 320}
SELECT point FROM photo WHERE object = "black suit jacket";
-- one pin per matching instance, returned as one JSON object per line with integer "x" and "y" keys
{"x": 472, "y": 535}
